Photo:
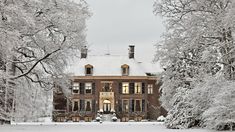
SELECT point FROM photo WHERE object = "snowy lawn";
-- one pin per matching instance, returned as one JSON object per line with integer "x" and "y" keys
{"x": 93, "y": 127}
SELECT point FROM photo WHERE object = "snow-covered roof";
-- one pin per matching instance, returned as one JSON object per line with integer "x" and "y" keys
{"x": 110, "y": 65}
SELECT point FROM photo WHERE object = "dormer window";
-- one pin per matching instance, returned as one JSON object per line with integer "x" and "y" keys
{"x": 125, "y": 69}
{"x": 88, "y": 69}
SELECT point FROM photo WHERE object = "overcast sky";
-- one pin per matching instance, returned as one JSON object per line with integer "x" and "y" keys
{"x": 115, "y": 24}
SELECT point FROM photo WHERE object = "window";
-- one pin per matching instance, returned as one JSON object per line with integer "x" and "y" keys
{"x": 88, "y": 105}
{"x": 75, "y": 105}
{"x": 150, "y": 88}
{"x": 107, "y": 87}
{"x": 125, "y": 105}
{"x": 125, "y": 88}
{"x": 125, "y": 69}
{"x": 88, "y": 87}
{"x": 88, "y": 69}
{"x": 75, "y": 87}
{"x": 138, "y": 88}
{"x": 137, "y": 105}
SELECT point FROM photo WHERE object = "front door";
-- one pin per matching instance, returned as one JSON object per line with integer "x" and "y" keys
{"x": 107, "y": 108}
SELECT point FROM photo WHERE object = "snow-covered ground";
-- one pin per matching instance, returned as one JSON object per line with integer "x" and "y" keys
{"x": 93, "y": 127}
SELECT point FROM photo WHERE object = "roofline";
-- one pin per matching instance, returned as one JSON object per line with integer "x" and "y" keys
{"x": 116, "y": 77}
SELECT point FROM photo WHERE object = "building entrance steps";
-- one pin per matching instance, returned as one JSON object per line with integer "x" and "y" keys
{"x": 107, "y": 117}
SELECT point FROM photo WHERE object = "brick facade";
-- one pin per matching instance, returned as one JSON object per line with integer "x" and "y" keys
{"x": 146, "y": 105}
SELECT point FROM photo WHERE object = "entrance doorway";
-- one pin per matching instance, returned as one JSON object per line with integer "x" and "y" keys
{"x": 106, "y": 106}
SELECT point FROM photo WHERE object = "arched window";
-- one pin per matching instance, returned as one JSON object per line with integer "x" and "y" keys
{"x": 88, "y": 69}
{"x": 125, "y": 69}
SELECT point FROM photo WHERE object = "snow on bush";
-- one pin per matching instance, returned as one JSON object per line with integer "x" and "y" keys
{"x": 161, "y": 118}
{"x": 98, "y": 119}
{"x": 114, "y": 118}
{"x": 221, "y": 114}
{"x": 197, "y": 53}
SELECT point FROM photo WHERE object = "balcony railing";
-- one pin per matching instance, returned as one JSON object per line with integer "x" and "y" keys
{"x": 106, "y": 94}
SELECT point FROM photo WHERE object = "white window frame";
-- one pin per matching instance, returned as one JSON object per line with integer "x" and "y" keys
{"x": 76, "y": 86}
{"x": 75, "y": 100}
{"x": 88, "y": 100}
{"x": 127, "y": 106}
{"x": 87, "y": 87}
{"x": 125, "y": 88}
{"x": 138, "y": 88}
{"x": 150, "y": 88}
{"x": 140, "y": 105}
{"x": 125, "y": 70}
{"x": 86, "y": 69}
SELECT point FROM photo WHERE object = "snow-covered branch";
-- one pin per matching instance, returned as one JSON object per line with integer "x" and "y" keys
{"x": 197, "y": 51}
{"x": 38, "y": 37}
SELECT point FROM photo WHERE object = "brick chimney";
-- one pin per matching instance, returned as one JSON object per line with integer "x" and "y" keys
{"x": 84, "y": 52}
{"x": 131, "y": 51}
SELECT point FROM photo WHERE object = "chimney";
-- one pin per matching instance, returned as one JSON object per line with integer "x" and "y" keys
{"x": 131, "y": 51}
{"x": 84, "y": 52}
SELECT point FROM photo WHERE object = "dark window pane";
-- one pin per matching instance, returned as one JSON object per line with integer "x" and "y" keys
{"x": 93, "y": 88}
{"x": 143, "y": 88}
{"x": 82, "y": 105}
{"x": 132, "y": 105}
{"x": 75, "y": 107}
{"x": 120, "y": 105}
{"x": 132, "y": 88}
{"x": 75, "y": 91}
{"x": 120, "y": 88}
{"x": 143, "y": 105}
{"x": 88, "y": 70}
{"x": 137, "y": 105}
{"x": 93, "y": 106}
{"x": 88, "y": 106}
{"x": 82, "y": 88}
{"x": 107, "y": 87}
{"x": 88, "y": 90}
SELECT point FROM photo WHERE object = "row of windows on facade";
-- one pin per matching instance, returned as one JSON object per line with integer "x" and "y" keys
{"x": 125, "y": 105}
{"x": 89, "y": 69}
{"x": 124, "y": 88}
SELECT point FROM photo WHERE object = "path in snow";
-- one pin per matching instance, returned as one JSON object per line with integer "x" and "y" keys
{"x": 94, "y": 127}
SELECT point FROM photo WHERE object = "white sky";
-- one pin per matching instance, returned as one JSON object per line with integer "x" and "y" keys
{"x": 115, "y": 24}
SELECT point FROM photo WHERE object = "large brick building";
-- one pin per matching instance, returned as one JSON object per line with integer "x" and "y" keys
{"x": 109, "y": 84}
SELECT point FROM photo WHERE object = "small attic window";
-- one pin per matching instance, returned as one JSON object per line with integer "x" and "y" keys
{"x": 125, "y": 69}
{"x": 88, "y": 69}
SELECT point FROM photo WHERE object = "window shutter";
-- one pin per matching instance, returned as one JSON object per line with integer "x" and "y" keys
{"x": 75, "y": 107}
{"x": 132, "y": 88}
{"x": 93, "y": 106}
{"x": 143, "y": 88}
{"x": 120, "y": 88}
{"x": 143, "y": 105}
{"x": 93, "y": 88}
{"x": 82, "y": 88}
{"x": 120, "y": 105}
{"x": 130, "y": 105}
{"x": 70, "y": 105}
{"x": 82, "y": 105}
{"x": 133, "y": 105}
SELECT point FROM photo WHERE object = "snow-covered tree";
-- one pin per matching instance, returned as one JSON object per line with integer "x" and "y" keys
{"x": 198, "y": 44}
{"x": 37, "y": 38}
